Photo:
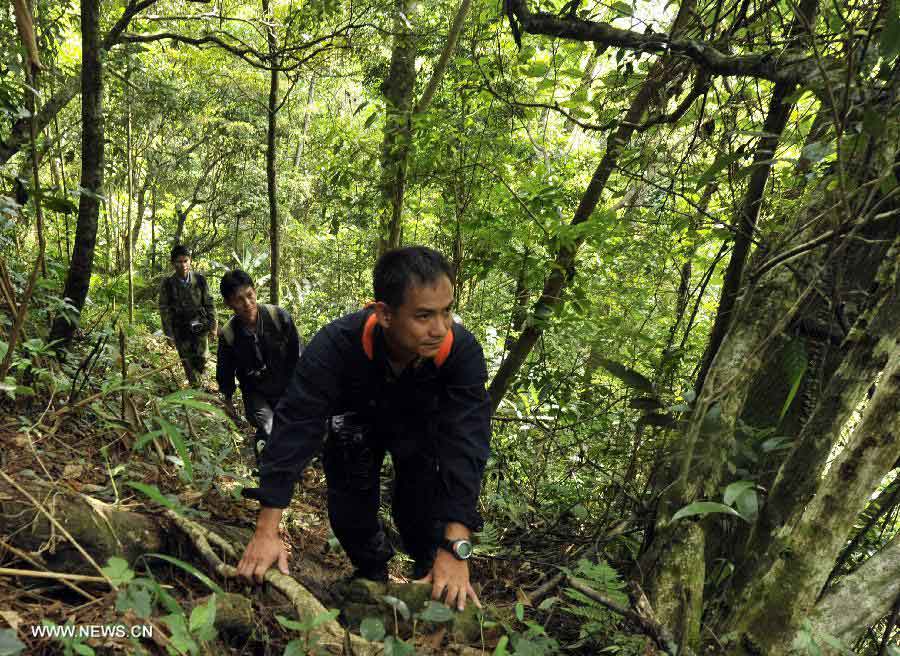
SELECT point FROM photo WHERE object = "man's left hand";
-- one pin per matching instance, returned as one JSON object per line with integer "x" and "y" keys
{"x": 451, "y": 576}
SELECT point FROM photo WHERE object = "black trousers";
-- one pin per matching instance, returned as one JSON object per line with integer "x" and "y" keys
{"x": 353, "y": 459}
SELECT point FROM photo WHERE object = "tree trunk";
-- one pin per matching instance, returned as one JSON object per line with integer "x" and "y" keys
{"x": 398, "y": 94}
{"x": 272, "y": 115}
{"x": 129, "y": 173}
{"x": 862, "y": 598}
{"x": 79, "y": 276}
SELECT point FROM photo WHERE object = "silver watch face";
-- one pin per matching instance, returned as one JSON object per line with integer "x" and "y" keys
{"x": 462, "y": 549}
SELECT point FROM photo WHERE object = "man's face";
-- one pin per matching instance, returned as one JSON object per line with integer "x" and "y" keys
{"x": 419, "y": 325}
{"x": 243, "y": 302}
{"x": 182, "y": 265}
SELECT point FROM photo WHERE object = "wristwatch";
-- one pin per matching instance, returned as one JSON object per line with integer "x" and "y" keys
{"x": 459, "y": 549}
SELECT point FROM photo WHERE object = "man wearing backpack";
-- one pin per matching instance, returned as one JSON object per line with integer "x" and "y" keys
{"x": 399, "y": 377}
{"x": 260, "y": 346}
{"x": 188, "y": 314}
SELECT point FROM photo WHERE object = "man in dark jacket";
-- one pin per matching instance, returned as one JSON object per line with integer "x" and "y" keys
{"x": 188, "y": 314}
{"x": 398, "y": 377}
{"x": 260, "y": 346}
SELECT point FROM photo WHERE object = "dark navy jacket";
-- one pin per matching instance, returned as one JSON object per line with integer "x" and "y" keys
{"x": 444, "y": 410}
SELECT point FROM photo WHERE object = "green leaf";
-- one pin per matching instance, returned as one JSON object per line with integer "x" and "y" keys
{"x": 721, "y": 162}
{"x": 500, "y": 649}
{"x": 190, "y": 569}
{"x": 371, "y": 119}
{"x": 59, "y": 204}
{"x": 181, "y": 638}
{"x": 118, "y": 571}
{"x": 396, "y": 647}
{"x": 153, "y": 492}
{"x": 295, "y": 647}
{"x": 136, "y": 599}
{"x": 537, "y": 69}
{"x": 890, "y": 35}
{"x": 700, "y": 508}
{"x": 623, "y": 8}
{"x": 398, "y": 605}
{"x": 548, "y": 603}
{"x": 175, "y": 436}
{"x": 736, "y": 489}
{"x": 794, "y": 362}
{"x": 10, "y": 645}
{"x": 83, "y": 649}
{"x": 435, "y": 611}
{"x": 203, "y": 619}
{"x": 520, "y": 612}
{"x": 628, "y": 376}
{"x": 372, "y": 629}
{"x": 324, "y": 617}
{"x": 747, "y": 504}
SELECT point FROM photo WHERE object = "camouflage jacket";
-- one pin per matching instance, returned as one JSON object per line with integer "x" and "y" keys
{"x": 180, "y": 303}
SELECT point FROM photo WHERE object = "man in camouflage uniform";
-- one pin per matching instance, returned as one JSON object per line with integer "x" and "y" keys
{"x": 188, "y": 314}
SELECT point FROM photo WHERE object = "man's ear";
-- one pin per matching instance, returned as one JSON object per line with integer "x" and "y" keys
{"x": 383, "y": 314}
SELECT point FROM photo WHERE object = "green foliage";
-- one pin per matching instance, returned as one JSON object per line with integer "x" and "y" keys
{"x": 10, "y": 645}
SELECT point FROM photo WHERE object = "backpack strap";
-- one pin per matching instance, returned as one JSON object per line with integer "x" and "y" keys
{"x": 368, "y": 341}
{"x": 271, "y": 310}
{"x": 228, "y": 332}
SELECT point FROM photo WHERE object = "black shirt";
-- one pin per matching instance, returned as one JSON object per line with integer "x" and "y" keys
{"x": 269, "y": 351}
{"x": 442, "y": 409}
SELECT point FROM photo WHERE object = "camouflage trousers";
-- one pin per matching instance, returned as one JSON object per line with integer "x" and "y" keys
{"x": 193, "y": 351}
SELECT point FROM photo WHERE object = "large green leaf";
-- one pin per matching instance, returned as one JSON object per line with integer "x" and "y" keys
{"x": 700, "y": 508}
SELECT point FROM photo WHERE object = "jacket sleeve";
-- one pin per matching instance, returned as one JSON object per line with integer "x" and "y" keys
{"x": 300, "y": 421}
{"x": 464, "y": 433}
{"x": 166, "y": 309}
{"x": 226, "y": 367}
{"x": 209, "y": 307}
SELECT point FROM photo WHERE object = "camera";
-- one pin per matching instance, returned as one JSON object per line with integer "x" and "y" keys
{"x": 197, "y": 327}
{"x": 259, "y": 372}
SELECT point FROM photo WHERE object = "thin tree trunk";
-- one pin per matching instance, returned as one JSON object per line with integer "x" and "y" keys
{"x": 745, "y": 226}
{"x": 65, "y": 184}
{"x": 129, "y": 172}
{"x": 272, "y": 115}
{"x": 153, "y": 232}
{"x": 79, "y": 276}
{"x": 398, "y": 94}
{"x": 21, "y": 312}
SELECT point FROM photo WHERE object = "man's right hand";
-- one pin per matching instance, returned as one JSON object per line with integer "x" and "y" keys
{"x": 265, "y": 548}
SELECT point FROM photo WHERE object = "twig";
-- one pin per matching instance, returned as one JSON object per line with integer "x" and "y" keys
{"x": 643, "y": 617}
{"x": 38, "y": 574}
{"x": 24, "y": 556}
{"x": 53, "y": 521}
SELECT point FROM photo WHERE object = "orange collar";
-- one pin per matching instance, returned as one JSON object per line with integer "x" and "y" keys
{"x": 368, "y": 341}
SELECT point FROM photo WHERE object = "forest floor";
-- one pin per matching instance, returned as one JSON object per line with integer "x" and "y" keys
{"x": 102, "y": 442}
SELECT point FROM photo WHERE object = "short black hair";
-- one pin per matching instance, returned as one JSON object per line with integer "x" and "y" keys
{"x": 397, "y": 269}
{"x": 233, "y": 281}
{"x": 178, "y": 251}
